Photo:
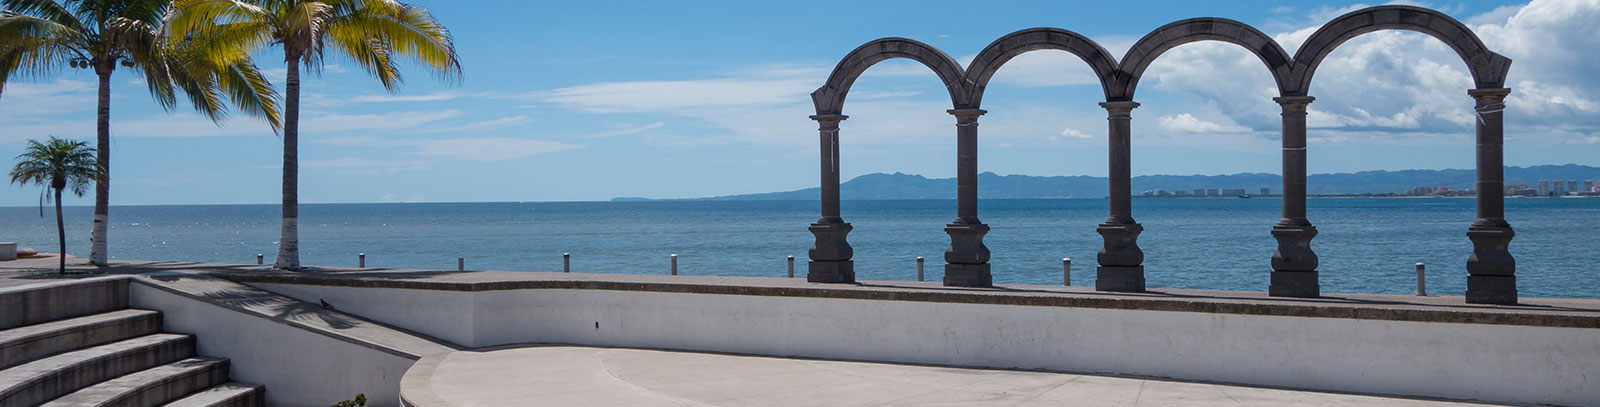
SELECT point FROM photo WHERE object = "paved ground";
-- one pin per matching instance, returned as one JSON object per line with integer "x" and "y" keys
{"x": 40, "y": 270}
{"x": 582, "y": 376}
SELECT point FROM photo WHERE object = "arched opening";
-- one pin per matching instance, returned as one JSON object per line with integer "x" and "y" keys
{"x": 1392, "y": 101}
{"x": 1293, "y": 265}
{"x": 1207, "y": 109}
{"x": 831, "y": 255}
{"x": 1490, "y": 267}
{"x": 898, "y": 133}
{"x": 1042, "y": 120}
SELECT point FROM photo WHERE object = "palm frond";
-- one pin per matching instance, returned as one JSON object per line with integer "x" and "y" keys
{"x": 251, "y": 92}
{"x": 45, "y": 9}
{"x": 34, "y": 47}
{"x": 395, "y": 29}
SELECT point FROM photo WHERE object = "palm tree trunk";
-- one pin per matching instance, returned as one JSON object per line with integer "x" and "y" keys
{"x": 289, "y": 239}
{"x": 102, "y": 186}
{"x": 61, "y": 233}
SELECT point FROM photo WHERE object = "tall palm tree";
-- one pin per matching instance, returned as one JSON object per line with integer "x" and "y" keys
{"x": 57, "y": 165}
{"x": 38, "y": 37}
{"x": 370, "y": 32}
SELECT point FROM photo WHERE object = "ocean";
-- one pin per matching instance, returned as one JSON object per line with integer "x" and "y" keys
{"x": 1366, "y": 245}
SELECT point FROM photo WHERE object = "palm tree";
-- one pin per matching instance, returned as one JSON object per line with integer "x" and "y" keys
{"x": 56, "y": 165}
{"x": 370, "y": 32}
{"x": 38, "y": 37}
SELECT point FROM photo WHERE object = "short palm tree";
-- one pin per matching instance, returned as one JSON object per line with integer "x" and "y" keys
{"x": 57, "y": 165}
{"x": 370, "y": 32}
{"x": 38, "y": 37}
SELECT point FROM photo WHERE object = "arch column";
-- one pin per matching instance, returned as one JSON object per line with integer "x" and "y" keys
{"x": 967, "y": 259}
{"x": 1491, "y": 271}
{"x": 1294, "y": 264}
{"x": 830, "y": 255}
{"x": 1121, "y": 261}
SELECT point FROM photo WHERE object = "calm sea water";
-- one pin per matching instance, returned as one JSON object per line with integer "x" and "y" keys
{"x": 1366, "y": 245}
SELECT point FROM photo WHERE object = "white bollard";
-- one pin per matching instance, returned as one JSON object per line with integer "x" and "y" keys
{"x": 1422, "y": 284}
{"x": 791, "y": 266}
{"x": 566, "y": 262}
{"x": 1066, "y": 271}
{"x": 674, "y": 264}
{"x": 361, "y": 260}
{"x": 919, "y": 268}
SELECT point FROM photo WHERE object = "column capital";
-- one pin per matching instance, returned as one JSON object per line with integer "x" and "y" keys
{"x": 828, "y": 122}
{"x": 1120, "y": 108}
{"x": 1491, "y": 95}
{"x": 1297, "y": 103}
{"x": 966, "y": 115}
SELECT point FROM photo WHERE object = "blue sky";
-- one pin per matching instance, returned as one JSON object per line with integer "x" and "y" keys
{"x": 568, "y": 101}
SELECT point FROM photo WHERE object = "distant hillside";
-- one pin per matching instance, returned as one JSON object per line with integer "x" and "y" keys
{"x": 992, "y": 186}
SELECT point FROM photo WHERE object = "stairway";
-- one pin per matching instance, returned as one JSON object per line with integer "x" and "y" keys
{"x": 70, "y": 355}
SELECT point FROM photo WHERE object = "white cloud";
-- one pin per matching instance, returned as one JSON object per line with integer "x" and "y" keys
{"x": 648, "y": 96}
{"x": 484, "y": 125}
{"x": 364, "y": 166}
{"x": 627, "y": 131}
{"x": 431, "y": 97}
{"x": 1408, "y": 84}
{"x": 1187, "y": 123}
{"x": 1075, "y": 134}
{"x": 486, "y": 148}
{"x": 381, "y": 121}
{"x": 461, "y": 148}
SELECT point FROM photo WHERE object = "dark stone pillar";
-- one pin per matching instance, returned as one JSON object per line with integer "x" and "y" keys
{"x": 830, "y": 255}
{"x": 1121, "y": 261}
{"x": 1294, "y": 265}
{"x": 967, "y": 259}
{"x": 1491, "y": 271}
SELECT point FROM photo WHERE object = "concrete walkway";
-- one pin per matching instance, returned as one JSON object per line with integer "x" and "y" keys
{"x": 583, "y": 376}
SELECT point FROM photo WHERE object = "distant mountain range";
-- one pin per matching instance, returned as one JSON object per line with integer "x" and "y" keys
{"x": 992, "y": 186}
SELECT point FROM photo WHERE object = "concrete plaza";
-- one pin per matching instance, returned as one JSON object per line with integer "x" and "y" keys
{"x": 588, "y": 376}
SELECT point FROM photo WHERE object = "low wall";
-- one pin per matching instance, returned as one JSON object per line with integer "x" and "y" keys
{"x": 299, "y": 366}
{"x": 1367, "y": 345}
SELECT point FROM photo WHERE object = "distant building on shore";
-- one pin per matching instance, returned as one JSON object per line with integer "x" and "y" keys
{"x": 1266, "y": 191}
{"x": 1544, "y": 187}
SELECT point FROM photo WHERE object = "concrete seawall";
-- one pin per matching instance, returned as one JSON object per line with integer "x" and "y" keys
{"x": 1545, "y": 351}
{"x": 1376, "y": 344}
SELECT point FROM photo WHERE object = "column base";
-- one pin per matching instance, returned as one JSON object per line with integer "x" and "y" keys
{"x": 968, "y": 275}
{"x": 1119, "y": 278}
{"x": 1499, "y": 290}
{"x": 831, "y": 271}
{"x": 1299, "y": 284}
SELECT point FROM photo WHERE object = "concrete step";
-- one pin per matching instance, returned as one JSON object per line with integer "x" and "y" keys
{"x": 41, "y": 380}
{"x": 231, "y": 394}
{"x": 32, "y": 342}
{"x": 45, "y": 302}
{"x": 150, "y": 387}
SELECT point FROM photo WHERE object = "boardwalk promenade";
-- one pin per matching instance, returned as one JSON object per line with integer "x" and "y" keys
{"x": 700, "y": 340}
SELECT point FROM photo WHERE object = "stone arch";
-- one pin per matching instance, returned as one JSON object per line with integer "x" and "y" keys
{"x": 1488, "y": 68}
{"x": 829, "y": 99}
{"x": 1011, "y": 45}
{"x": 1201, "y": 29}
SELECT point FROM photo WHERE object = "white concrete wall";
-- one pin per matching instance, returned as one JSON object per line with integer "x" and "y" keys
{"x": 1462, "y": 361}
{"x": 299, "y": 367}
